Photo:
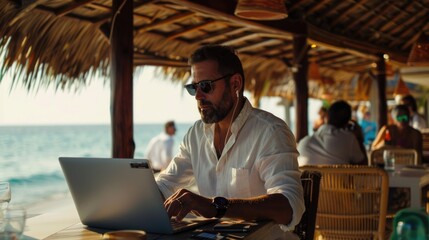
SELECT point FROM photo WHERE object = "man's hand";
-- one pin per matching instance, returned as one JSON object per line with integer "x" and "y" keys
{"x": 183, "y": 201}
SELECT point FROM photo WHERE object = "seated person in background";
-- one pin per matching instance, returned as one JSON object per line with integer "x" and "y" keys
{"x": 401, "y": 133}
{"x": 417, "y": 121}
{"x": 334, "y": 142}
{"x": 321, "y": 120}
{"x": 160, "y": 148}
{"x": 242, "y": 159}
{"x": 369, "y": 127}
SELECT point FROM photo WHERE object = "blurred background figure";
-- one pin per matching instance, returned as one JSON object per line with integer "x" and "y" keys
{"x": 339, "y": 141}
{"x": 160, "y": 148}
{"x": 417, "y": 121}
{"x": 369, "y": 127}
{"x": 402, "y": 135}
{"x": 321, "y": 119}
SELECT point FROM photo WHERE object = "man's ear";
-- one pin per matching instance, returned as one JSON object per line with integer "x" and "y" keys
{"x": 236, "y": 82}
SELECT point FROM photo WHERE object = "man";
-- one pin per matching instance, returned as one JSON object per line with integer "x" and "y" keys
{"x": 243, "y": 160}
{"x": 417, "y": 121}
{"x": 160, "y": 148}
{"x": 334, "y": 142}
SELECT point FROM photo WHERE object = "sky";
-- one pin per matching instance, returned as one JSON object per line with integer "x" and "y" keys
{"x": 155, "y": 101}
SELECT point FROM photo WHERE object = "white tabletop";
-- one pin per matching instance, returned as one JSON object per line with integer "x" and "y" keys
{"x": 412, "y": 178}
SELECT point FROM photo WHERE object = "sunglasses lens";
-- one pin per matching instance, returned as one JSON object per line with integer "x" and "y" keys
{"x": 206, "y": 87}
{"x": 191, "y": 88}
{"x": 402, "y": 118}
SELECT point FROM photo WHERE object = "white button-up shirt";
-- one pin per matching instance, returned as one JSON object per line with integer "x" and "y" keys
{"x": 259, "y": 158}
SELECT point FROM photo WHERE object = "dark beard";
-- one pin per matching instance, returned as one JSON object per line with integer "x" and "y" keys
{"x": 216, "y": 113}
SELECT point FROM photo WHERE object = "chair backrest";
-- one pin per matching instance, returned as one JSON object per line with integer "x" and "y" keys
{"x": 402, "y": 156}
{"x": 352, "y": 201}
{"x": 310, "y": 182}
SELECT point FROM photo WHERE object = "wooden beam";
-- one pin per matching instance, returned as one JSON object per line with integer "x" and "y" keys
{"x": 241, "y": 39}
{"x": 287, "y": 53}
{"x": 212, "y": 36}
{"x": 121, "y": 98}
{"x": 364, "y": 18}
{"x": 151, "y": 59}
{"x": 332, "y": 56}
{"x": 393, "y": 23}
{"x": 159, "y": 63}
{"x": 381, "y": 91}
{"x": 353, "y": 46}
{"x": 261, "y": 44}
{"x": 109, "y": 9}
{"x": 63, "y": 10}
{"x": 301, "y": 86}
{"x": 418, "y": 24}
{"x": 277, "y": 47}
{"x": 345, "y": 14}
{"x": 170, "y": 20}
{"x": 318, "y": 6}
{"x": 190, "y": 29}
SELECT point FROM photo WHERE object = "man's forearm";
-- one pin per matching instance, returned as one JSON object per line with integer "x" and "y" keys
{"x": 275, "y": 207}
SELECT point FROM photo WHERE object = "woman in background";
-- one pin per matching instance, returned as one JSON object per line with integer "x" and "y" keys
{"x": 402, "y": 135}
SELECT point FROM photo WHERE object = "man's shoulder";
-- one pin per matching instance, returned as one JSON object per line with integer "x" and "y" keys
{"x": 266, "y": 117}
{"x": 304, "y": 141}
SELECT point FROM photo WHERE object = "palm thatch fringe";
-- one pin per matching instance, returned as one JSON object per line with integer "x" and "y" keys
{"x": 39, "y": 50}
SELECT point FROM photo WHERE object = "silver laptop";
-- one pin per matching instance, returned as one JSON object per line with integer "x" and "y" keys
{"x": 114, "y": 193}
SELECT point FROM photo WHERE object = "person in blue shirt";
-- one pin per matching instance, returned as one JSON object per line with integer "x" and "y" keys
{"x": 369, "y": 128}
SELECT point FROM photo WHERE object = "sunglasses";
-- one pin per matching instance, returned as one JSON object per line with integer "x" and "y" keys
{"x": 205, "y": 85}
{"x": 402, "y": 118}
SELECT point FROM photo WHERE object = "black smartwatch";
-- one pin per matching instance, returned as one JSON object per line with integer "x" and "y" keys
{"x": 221, "y": 204}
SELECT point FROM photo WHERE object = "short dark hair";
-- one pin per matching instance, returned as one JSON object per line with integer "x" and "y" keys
{"x": 339, "y": 114}
{"x": 225, "y": 56}
{"x": 409, "y": 101}
{"x": 169, "y": 124}
{"x": 401, "y": 110}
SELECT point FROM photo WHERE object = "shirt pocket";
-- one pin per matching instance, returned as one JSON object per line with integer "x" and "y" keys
{"x": 239, "y": 186}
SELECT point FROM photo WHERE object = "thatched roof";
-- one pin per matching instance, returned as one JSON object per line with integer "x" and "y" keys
{"x": 63, "y": 42}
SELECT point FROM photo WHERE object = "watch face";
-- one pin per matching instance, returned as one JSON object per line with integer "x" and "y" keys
{"x": 221, "y": 205}
{"x": 220, "y": 202}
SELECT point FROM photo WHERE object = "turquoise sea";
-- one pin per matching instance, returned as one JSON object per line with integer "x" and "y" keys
{"x": 29, "y": 154}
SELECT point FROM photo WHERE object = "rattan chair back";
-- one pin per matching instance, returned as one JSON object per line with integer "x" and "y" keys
{"x": 352, "y": 201}
{"x": 403, "y": 156}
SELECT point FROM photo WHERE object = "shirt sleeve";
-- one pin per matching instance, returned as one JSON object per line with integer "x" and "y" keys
{"x": 279, "y": 169}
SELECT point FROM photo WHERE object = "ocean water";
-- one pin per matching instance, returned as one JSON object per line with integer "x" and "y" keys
{"x": 29, "y": 155}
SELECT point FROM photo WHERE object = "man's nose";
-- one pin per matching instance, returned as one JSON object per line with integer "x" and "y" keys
{"x": 199, "y": 94}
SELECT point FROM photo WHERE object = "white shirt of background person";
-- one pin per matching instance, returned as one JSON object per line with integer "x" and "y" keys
{"x": 160, "y": 148}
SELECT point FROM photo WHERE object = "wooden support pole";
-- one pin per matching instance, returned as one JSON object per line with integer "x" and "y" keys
{"x": 121, "y": 99}
{"x": 301, "y": 85}
{"x": 381, "y": 90}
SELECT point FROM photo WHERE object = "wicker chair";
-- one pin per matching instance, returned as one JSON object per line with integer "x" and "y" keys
{"x": 402, "y": 156}
{"x": 352, "y": 201}
{"x": 310, "y": 182}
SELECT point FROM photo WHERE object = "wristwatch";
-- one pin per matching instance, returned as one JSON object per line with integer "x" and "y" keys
{"x": 221, "y": 204}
